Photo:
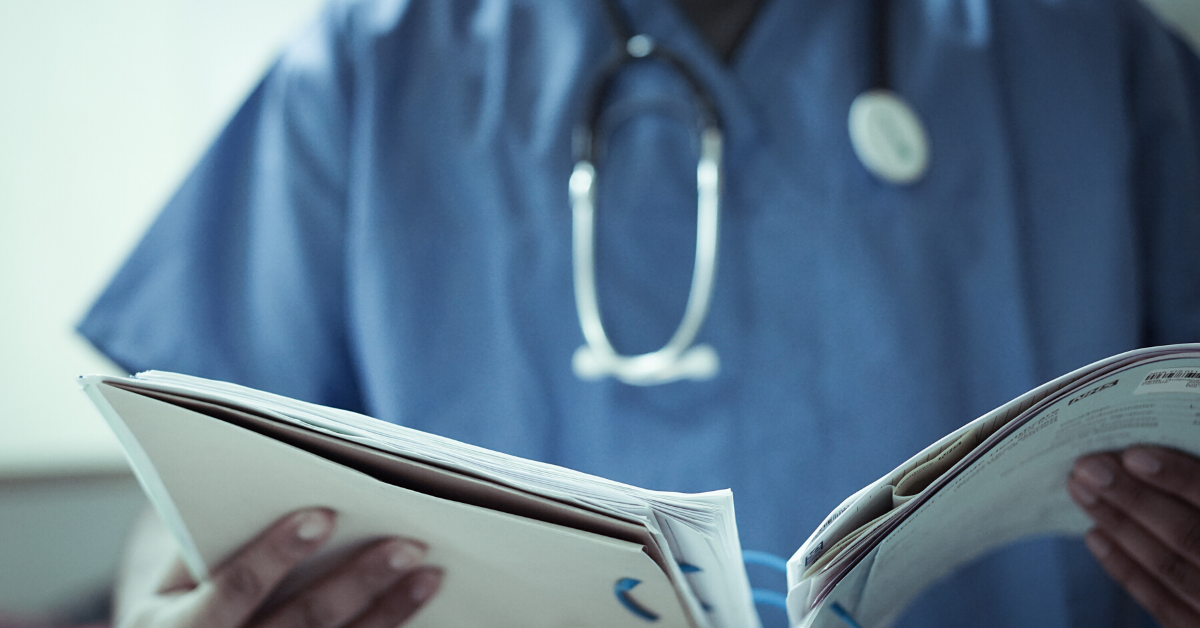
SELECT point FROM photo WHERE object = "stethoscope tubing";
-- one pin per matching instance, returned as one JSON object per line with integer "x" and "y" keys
{"x": 678, "y": 358}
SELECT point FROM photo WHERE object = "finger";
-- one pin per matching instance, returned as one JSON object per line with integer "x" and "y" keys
{"x": 1169, "y": 470}
{"x": 1154, "y": 557}
{"x": 1172, "y": 520}
{"x": 1151, "y": 594}
{"x": 402, "y": 600}
{"x": 349, "y": 590}
{"x": 238, "y": 587}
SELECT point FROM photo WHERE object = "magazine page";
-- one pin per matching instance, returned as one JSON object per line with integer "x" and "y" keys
{"x": 1011, "y": 484}
{"x": 227, "y": 482}
{"x": 702, "y": 535}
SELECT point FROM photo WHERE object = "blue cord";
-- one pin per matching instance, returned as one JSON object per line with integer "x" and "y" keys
{"x": 762, "y": 597}
{"x": 766, "y": 597}
{"x": 779, "y": 600}
{"x": 764, "y": 559}
{"x": 770, "y": 598}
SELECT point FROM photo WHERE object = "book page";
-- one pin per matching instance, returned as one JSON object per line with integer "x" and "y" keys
{"x": 501, "y": 569}
{"x": 1017, "y": 487}
{"x": 697, "y": 530}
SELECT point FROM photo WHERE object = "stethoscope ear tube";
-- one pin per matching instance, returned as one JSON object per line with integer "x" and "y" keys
{"x": 678, "y": 359}
{"x": 885, "y": 133}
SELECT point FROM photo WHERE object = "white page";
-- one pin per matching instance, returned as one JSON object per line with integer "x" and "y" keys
{"x": 1016, "y": 489}
{"x": 702, "y": 531}
{"x": 501, "y": 570}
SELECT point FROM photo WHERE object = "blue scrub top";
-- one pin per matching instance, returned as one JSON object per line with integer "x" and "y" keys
{"x": 384, "y": 226}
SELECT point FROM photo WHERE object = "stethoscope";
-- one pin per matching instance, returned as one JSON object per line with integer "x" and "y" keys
{"x": 885, "y": 132}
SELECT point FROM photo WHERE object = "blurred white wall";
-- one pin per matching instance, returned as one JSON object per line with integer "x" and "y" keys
{"x": 104, "y": 106}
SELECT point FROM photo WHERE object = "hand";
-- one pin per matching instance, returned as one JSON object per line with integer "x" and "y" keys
{"x": 1145, "y": 503}
{"x": 380, "y": 586}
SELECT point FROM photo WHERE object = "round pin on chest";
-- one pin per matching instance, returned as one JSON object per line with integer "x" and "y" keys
{"x": 888, "y": 137}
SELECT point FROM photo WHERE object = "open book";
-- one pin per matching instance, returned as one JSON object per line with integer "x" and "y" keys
{"x": 530, "y": 544}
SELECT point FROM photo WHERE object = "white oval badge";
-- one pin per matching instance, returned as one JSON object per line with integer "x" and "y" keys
{"x": 888, "y": 137}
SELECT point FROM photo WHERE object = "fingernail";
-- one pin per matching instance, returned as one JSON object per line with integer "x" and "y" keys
{"x": 1141, "y": 462}
{"x": 312, "y": 524}
{"x": 1097, "y": 545}
{"x": 405, "y": 555}
{"x": 425, "y": 585}
{"x": 1095, "y": 473}
{"x": 1081, "y": 494}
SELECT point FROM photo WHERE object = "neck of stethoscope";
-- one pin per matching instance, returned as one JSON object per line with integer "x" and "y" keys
{"x": 886, "y": 135}
{"x": 678, "y": 358}
{"x": 878, "y": 37}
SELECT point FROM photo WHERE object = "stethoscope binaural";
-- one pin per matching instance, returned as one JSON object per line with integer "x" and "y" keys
{"x": 885, "y": 132}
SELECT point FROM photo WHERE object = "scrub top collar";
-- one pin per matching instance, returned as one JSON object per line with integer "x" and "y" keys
{"x": 664, "y": 22}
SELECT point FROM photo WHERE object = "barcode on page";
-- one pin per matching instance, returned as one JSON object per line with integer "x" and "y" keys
{"x": 1170, "y": 380}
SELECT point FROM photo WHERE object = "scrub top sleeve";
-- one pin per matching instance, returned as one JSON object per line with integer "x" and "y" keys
{"x": 1165, "y": 101}
{"x": 241, "y": 278}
